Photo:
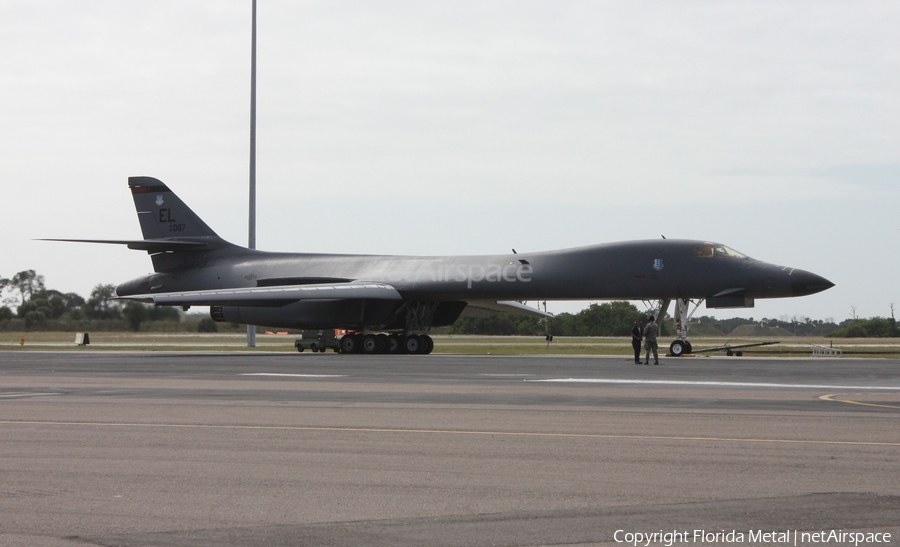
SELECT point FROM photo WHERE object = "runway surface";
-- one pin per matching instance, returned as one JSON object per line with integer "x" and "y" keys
{"x": 140, "y": 449}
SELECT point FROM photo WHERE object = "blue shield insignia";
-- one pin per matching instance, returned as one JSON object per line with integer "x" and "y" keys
{"x": 658, "y": 264}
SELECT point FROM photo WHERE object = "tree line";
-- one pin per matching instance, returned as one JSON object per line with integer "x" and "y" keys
{"x": 617, "y": 318}
{"x": 29, "y": 304}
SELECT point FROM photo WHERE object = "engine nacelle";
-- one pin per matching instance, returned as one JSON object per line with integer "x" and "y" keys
{"x": 311, "y": 314}
{"x": 336, "y": 314}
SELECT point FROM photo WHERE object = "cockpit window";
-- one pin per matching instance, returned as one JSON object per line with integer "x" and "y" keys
{"x": 707, "y": 249}
{"x": 720, "y": 251}
{"x": 728, "y": 252}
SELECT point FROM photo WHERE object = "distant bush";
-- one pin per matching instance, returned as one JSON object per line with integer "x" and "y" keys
{"x": 876, "y": 327}
{"x": 207, "y": 325}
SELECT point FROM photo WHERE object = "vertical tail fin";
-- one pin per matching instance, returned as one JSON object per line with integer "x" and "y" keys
{"x": 162, "y": 214}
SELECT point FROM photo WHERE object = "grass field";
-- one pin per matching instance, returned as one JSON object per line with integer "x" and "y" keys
{"x": 471, "y": 345}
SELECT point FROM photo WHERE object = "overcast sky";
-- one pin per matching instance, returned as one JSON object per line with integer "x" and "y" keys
{"x": 462, "y": 128}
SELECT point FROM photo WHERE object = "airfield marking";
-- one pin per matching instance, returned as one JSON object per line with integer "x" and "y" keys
{"x": 18, "y": 394}
{"x": 452, "y": 432}
{"x": 829, "y": 398}
{"x": 720, "y": 384}
{"x": 293, "y": 375}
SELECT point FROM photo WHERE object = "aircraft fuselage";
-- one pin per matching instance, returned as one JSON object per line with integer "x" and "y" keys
{"x": 633, "y": 270}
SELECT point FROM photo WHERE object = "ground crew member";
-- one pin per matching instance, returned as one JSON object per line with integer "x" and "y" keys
{"x": 637, "y": 335}
{"x": 651, "y": 331}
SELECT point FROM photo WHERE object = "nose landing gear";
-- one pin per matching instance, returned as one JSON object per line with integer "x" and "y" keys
{"x": 680, "y": 347}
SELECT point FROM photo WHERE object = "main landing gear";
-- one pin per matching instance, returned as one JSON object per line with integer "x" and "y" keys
{"x": 411, "y": 317}
{"x": 421, "y": 344}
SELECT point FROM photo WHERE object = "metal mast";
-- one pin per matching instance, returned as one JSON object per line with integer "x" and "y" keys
{"x": 251, "y": 329}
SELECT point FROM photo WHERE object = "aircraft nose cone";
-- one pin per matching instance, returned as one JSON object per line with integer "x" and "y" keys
{"x": 804, "y": 283}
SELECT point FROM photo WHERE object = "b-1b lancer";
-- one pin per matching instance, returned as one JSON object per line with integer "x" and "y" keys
{"x": 389, "y": 302}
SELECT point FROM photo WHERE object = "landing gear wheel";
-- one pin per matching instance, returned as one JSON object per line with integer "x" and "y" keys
{"x": 374, "y": 343}
{"x": 678, "y": 348}
{"x": 382, "y": 341}
{"x": 350, "y": 343}
{"x": 412, "y": 344}
{"x": 369, "y": 344}
{"x": 393, "y": 344}
{"x": 687, "y": 347}
{"x": 427, "y": 344}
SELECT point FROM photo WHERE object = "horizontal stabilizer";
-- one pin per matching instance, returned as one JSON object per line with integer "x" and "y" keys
{"x": 149, "y": 245}
{"x": 490, "y": 308}
{"x": 270, "y": 296}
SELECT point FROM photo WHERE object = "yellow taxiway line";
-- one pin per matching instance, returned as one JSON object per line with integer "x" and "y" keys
{"x": 830, "y": 398}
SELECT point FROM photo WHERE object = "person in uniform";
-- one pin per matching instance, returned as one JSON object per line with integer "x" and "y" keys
{"x": 637, "y": 336}
{"x": 651, "y": 331}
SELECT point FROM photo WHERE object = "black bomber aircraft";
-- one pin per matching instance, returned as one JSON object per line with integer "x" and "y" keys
{"x": 389, "y": 302}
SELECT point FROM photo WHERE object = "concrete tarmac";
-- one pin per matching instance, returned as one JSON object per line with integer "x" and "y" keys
{"x": 237, "y": 449}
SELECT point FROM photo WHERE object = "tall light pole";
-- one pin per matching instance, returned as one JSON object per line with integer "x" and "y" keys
{"x": 251, "y": 329}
